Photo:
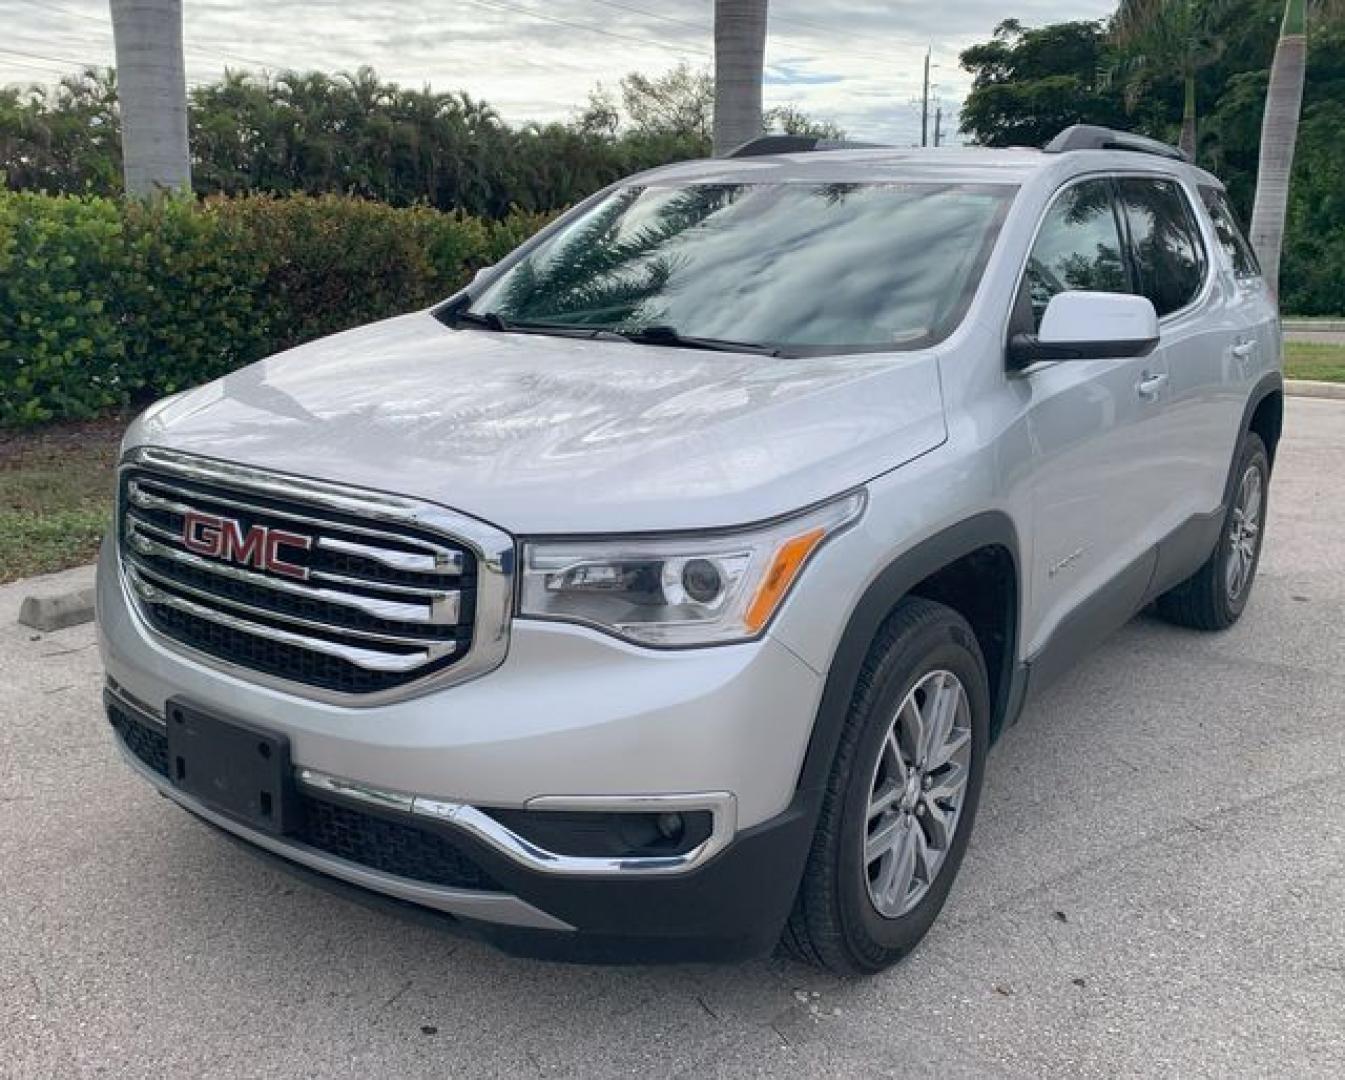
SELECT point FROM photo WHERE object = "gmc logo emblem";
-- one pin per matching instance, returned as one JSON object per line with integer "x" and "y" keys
{"x": 223, "y": 538}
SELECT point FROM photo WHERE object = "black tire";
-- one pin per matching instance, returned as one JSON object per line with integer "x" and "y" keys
{"x": 835, "y": 924}
{"x": 1204, "y": 601}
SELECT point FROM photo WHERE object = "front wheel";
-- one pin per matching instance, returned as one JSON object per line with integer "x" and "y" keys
{"x": 1214, "y": 597}
{"x": 901, "y": 798}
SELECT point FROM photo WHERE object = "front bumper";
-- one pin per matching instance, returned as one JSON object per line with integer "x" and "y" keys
{"x": 571, "y": 720}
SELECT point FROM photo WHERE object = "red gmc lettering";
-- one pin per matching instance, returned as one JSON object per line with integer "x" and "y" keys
{"x": 274, "y": 539}
{"x": 223, "y": 538}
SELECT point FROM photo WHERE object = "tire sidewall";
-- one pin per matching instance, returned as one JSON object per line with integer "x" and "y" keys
{"x": 949, "y": 645}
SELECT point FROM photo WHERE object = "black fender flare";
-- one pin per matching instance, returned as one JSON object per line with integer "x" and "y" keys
{"x": 895, "y": 581}
{"x": 1268, "y": 384}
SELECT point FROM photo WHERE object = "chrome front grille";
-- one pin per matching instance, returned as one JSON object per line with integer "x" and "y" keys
{"x": 335, "y": 592}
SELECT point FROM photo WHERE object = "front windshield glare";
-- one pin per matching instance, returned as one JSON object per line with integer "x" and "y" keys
{"x": 807, "y": 267}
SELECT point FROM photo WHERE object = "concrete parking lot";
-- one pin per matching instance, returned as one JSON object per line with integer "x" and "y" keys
{"x": 1156, "y": 887}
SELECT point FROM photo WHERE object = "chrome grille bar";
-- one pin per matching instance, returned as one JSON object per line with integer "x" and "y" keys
{"x": 439, "y": 560}
{"x": 437, "y": 607}
{"x": 368, "y": 659}
{"x": 428, "y": 648}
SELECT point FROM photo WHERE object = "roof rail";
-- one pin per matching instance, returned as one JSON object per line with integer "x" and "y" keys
{"x": 1091, "y": 137}
{"x": 795, "y": 144}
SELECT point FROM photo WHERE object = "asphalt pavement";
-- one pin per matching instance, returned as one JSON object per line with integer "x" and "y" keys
{"x": 1155, "y": 887}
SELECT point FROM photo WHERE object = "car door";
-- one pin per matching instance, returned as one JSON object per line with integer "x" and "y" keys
{"x": 1092, "y": 426}
{"x": 1205, "y": 345}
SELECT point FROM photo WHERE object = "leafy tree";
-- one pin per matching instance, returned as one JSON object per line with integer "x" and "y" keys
{"x": 1030, "y": 83}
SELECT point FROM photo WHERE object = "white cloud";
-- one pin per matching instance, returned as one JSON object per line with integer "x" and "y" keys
{"x": 857, "y": 62}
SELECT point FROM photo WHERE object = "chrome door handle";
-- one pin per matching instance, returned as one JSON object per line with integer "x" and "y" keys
{"x": 1244, "y": 349}
{"x": 1150, "y": 384}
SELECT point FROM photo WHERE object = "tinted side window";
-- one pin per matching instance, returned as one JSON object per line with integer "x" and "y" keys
{"x": 1164, "y": 241}
{"x": 1230, "y": 236}
{"x": 1078, "y": 247}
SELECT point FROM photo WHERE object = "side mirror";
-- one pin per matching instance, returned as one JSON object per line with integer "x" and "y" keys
{"x": 476, "y": 278}
{"x": 1089, "y": 326}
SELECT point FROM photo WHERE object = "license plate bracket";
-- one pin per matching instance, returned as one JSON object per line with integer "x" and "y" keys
{"x": 238, "y": 768}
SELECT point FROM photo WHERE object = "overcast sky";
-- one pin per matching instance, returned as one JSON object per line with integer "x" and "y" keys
{"x": 854, "y": 61}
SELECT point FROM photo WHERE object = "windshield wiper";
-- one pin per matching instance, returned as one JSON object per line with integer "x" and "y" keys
{"x": 489, "y": 319}
{"x": 669, "y": 335}
{"x": 493, "y": 320}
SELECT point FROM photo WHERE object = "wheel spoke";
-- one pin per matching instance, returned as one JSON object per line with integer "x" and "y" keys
{"x": 901, "y": 869}
{"x": 911, "y": 722}
{"x": 884, "y": 798}
{"x": 927, "y": 860}
{"x": 893, "y": 756}
{"x": 940, "y": 709}
{"x": 883, "y": 839}
{"x": 956, "y": 740}
{"x": 938, "y": 823}
{"x": 949, "y": 785}
{"x": 1251, "y": 506}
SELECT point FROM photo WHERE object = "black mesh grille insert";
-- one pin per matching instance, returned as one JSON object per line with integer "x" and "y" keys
{"x": 148, "y": 745}
{"x": 390, "y": 846}
{"x": 276, "y": 658}
{"x": 394, "y": 847}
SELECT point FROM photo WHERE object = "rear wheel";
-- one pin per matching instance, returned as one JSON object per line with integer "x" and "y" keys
{"x": 902, "y": 795}
{"x": 1213, "y": 598}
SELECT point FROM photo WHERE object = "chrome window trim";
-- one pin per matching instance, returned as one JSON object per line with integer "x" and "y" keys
{"x": 722, "y": 806}
{"x": 493, "y": 548}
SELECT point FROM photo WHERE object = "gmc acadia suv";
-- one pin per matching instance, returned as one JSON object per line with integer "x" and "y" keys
{"x": 661, "y": 594}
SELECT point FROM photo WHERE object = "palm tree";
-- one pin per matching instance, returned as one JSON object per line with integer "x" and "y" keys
{"x": 1279, "y": 133}
{"x": 1159, "y": 37}
{"x": 740, "y": 51}
{"x": 152, "y": 84}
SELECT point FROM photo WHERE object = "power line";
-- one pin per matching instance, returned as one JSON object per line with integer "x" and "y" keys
{"x": 52, "y": 59}
{"x": 205, "y": 50}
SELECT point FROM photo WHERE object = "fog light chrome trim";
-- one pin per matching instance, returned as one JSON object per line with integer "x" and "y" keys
{"x": 722, "y": 806}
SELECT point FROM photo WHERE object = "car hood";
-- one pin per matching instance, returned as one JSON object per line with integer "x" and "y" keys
{"x": 560, "y": 435}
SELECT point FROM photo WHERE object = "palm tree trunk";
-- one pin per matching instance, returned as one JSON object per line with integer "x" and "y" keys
{"x": 740, "y": 51}
{"x": 152, "y": 90}
{"x": 1187, "y": 140}
{"x": 1279, "y": 132}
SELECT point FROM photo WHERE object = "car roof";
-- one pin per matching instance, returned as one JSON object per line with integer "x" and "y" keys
{"x": 950, "y": 164}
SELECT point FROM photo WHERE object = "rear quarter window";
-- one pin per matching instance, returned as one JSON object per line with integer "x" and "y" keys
{"x": 1231, "y": 238}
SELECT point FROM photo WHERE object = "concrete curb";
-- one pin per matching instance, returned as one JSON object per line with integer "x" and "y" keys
{"x": 1314, "y": 389}
{"x": 1314, "y": 326}
{"x": 48, "y": 613}
{"x": 50, "y": 601}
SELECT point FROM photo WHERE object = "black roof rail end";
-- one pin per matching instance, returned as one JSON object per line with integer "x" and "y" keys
{"x": 1092, "y": 137}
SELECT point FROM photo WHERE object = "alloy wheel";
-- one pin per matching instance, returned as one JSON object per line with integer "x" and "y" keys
{"x": 1244, "y": 533}
{"x": 918, "y": 790}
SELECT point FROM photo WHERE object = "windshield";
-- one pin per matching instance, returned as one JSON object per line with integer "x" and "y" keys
{"x": 803, "y": 267}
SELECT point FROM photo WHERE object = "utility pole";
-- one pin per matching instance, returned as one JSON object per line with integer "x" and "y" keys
{"x": 938, "y": 125}
{"x": 924, "y": 105}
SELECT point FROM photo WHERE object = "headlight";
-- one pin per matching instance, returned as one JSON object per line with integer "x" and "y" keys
{"x": 678, "y": 590}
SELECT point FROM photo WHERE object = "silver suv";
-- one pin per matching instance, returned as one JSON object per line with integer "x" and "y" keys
{"x": 661, "y": 594}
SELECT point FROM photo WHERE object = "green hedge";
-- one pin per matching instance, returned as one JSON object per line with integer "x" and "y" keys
{"x": 105, "y": 303}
